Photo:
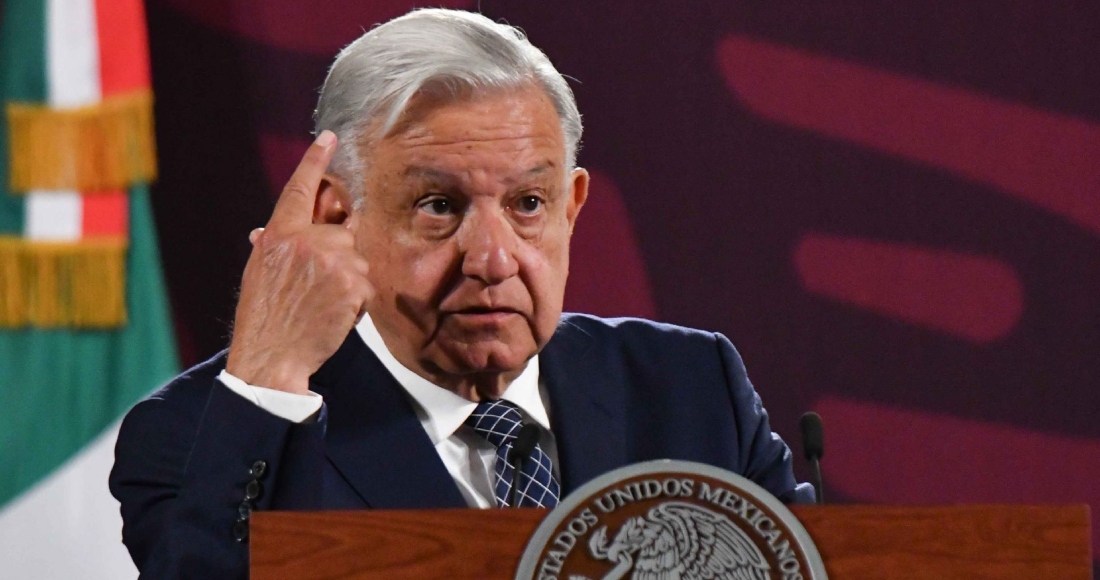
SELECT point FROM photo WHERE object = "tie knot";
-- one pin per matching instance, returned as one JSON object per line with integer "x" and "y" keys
{"x": 498, "y": 421}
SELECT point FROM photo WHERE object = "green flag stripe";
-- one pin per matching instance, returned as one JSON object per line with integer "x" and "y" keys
{"x": 22, "y": 78}
{"x": 60, "y": 388}
{"x": 23, "y": 51}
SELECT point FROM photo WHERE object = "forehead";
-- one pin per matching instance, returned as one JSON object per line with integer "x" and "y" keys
{"x": 511, "y": 132}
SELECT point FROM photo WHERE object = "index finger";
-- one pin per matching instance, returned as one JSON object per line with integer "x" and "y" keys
{"x": 295, "y": 204}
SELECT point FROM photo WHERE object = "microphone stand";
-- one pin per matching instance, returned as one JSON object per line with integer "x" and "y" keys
{"x": 819, "y": 493}
{"x": 522, "y": 447}
{"x": 813, "y": 446}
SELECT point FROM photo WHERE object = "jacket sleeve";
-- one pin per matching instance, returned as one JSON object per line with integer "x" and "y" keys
{"x": 188, "y": 473}
{"x": 766, "y": 459}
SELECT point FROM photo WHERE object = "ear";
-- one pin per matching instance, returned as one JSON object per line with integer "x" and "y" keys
{"x": 334, "y": 203}
{"x": 578, "y": 195}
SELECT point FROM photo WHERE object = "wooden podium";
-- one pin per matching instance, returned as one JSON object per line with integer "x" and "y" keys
{"x": 856, "y": 542}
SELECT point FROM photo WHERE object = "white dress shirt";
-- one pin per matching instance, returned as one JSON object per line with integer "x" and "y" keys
{"x": 468, "y": 457}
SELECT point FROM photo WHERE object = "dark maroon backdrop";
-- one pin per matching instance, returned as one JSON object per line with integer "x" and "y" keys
{"x": 892, "y": 209}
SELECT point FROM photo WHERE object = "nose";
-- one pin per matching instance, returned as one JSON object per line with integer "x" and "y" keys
{"x": 488, "y": 243}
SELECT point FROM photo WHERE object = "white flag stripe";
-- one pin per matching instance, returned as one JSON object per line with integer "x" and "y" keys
{"x": 68, "y": 526}
{"x": 72, "y": 53}
{"x": 53, "y": 216}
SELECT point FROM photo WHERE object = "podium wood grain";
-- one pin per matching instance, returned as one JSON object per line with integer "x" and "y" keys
{"x": 856, "y": 542}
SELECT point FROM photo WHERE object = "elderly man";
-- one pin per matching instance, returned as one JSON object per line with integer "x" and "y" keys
{"x": 400, "y": 320}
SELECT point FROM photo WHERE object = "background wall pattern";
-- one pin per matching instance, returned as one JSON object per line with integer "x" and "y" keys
{"x": 892, "y": 209}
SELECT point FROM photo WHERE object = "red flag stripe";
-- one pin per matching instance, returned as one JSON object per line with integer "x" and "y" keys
{"x": 123, "y": 46}
{"x": 105, "y": 215}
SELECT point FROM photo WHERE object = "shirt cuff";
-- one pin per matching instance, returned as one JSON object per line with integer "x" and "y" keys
{"x": 289, "y": 406}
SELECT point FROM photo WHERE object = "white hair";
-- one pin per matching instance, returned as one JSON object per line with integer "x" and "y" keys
{"x": 374, "y": 78}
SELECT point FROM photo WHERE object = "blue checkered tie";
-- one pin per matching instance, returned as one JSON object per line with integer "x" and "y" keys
{"x": 499, "y": 422}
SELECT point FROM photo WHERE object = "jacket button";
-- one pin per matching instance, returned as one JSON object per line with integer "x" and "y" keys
{"x": 245, "y": 511}
{"x": 253, "y": 490}
{"x": 258, "y": 469}
{"x": 240, "y": 531}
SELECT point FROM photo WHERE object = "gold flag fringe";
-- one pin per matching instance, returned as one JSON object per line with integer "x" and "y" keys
{"x": 105, "y": 146}
{"x": 77, "y": 284}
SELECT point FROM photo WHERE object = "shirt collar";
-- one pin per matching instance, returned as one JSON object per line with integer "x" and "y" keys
{"x": 446, "y": 411}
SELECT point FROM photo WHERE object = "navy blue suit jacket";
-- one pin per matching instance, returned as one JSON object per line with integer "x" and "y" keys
{"x": 621, "y": 391}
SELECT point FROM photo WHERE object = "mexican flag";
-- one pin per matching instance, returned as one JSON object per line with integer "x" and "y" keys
{"x": 85, "y": 330}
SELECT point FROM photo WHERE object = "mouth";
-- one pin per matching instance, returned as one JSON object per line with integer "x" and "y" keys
{"x": 485, "y": 310}
{"x": 484, "y": 314}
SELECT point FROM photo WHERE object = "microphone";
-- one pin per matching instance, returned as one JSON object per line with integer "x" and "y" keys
{"x": 521, "y": 451}
{"x": 813, "y": 446}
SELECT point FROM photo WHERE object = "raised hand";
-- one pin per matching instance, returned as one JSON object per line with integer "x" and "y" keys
{"x": 303, "y": 289}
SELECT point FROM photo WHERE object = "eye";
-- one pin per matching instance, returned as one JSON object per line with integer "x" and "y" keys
{"x": 529, "y": 204}
{"x": 438, "y": 206}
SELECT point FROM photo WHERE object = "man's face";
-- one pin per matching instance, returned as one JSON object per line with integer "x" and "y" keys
{"x": 466, "y": 223}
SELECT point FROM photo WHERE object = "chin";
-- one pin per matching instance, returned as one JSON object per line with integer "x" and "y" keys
{"x": 484, "y": 357}
{"x": 472, "y": 345}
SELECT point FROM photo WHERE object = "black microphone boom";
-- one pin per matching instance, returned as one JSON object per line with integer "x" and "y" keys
{"x": 813, "y": 446}
{"x": 522, "y": 448}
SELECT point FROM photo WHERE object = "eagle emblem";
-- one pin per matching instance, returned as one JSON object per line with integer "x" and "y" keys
{"x": 679, "y": 541}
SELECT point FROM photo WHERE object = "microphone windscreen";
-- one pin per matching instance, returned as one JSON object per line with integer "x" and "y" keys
{"x": 813, "y": 436}
{"x": 525, "y": 442}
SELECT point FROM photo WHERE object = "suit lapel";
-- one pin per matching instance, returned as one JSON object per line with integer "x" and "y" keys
{"x": 586, "y": 407}
{"x": 374, "y": 438}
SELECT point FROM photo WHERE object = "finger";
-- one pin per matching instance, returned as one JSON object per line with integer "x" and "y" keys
{"x": 360, "y": 267}
{"x": 295, "y": 206}
{"x": 330, "y": 236}
{"x": 363, "y": 307}
{"x": 255, "y": 235}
